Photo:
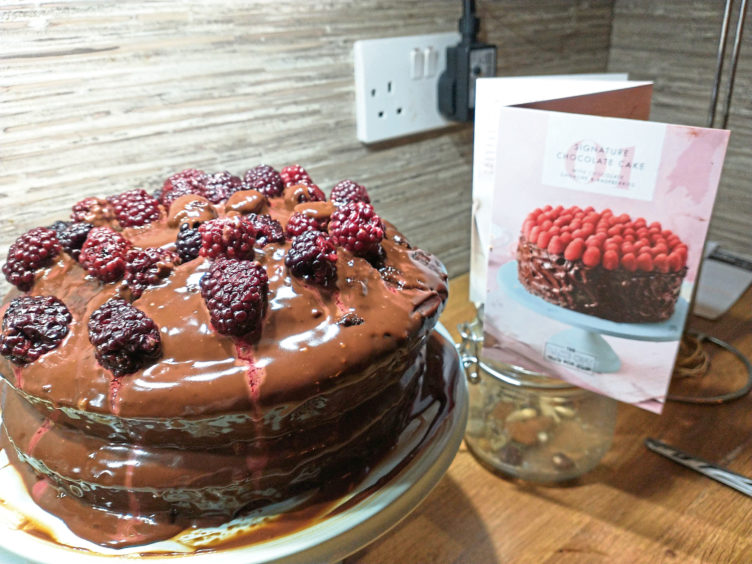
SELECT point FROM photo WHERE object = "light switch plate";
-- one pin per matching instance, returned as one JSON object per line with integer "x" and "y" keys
{"x": 396, "y": 83}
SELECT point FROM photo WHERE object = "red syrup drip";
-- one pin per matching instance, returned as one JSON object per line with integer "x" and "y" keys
{"x": 39, "y": 433}
{"x": 126, "y": 527}
{"x": 114, "y": 389}
{"x": 38, "y": 489}
{"x": 17, "y": 373}
{"x": 341, "y": 307}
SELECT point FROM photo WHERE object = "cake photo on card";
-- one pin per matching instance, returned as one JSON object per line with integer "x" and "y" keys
{"x": 599, "y": 263}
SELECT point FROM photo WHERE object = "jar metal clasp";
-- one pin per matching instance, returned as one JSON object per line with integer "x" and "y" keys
{"x": 469, "y": 349}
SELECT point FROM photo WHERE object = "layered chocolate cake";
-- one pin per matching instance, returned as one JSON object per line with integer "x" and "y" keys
{"x": 174, "y": 359}
{"x": 601, "y": 264}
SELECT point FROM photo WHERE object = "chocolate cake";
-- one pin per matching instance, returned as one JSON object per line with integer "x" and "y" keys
{"x": 601, "y": 264}
{"x": 175, "y": 359}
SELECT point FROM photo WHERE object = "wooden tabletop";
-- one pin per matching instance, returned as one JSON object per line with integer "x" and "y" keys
{"x": 636, "y": 506}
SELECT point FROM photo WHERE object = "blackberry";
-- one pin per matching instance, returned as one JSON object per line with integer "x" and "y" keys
{"x": 357, "y": 228}
{"x": 349, "y": 191}
{"x": 313, "y": 258}
{"x": 188, "y": 242}
{"x": 73, "y": 237}
{"x": 231, "y": 237}
{"x": 125, "y": 339}
{"x": 300, "y": 222}
{"x": 59, "y": 226}
{"x": 93, "y": 210}
{"x": 135, "y": 208}
{"x": 33, "y": 250}
{"x": 103, "y": 254}
{"x": 268, "y": 229}
{"x": 187, "y": 177}
{"x": 264, "y": 179}
{"x": 295, "y": 174}
{"x": 181, "y": 189}
{"x": 301, "y": 193}
{"x": 146, "y": 267}
{"x": 220, "y": 186}
{"x": 236, "y": 295}
{"x": 33, "y": 326}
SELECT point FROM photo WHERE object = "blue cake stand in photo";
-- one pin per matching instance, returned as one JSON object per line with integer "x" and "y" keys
{"x": 582, "y": 346}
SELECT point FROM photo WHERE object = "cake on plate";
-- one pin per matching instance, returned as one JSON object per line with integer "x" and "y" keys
{"x": 173, "y": 359}
{"x": 601, "y": 264}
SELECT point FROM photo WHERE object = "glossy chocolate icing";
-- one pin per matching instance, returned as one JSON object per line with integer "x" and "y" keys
{"x": 219, "y": 424}
{"x": 617, "y": 295}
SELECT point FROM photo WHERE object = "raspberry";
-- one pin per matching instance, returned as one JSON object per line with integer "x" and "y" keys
{"x": 235, "y": 293}
{"x": 264, "y": 179}
{"x": 300, "y": 222}
{"x": 574, "y": 250}
{"x": 592, "y": 256}
{"x": 610, "y": 260}
{"x": 135, "y": 208}
{"x": 188, "y": 242}
{"x": 268, "y": 230}
{"x": 93, "y": 210}
{"x": 231, "y": 237}
{"x": 356, "y": 227}
{"x": 33, "y": 250}
{"x": 32, "y": 326}
{"x": 349, "y": 191}
{"x": 74, "y": 235}
{"x": 125, "y": 339}
{"x": 103, "y": 254}
{"x": 219, "y": 186}
{"x": 147, "y": 267}
{"x": 313, "y": 258}
{"x": 556, "y": 245}
{"x": 295, "y": 174}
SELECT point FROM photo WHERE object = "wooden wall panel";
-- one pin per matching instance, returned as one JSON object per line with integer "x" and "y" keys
{"x": 674, "y": 43}
{"x": 99, "y": 97}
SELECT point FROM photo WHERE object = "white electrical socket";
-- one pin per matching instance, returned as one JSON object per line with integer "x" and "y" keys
{"x": 396, "y": 83}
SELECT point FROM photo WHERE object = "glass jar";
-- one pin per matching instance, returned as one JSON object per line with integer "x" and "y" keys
{"x": 529, "y": 425}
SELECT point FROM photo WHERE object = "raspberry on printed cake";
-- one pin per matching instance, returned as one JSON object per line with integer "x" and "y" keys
{"x": 301, "y": 222}
{"x": 135, "y": 208}
{"x": 235, "y": 293}
{"x": 188, "y": 242}
{"x": 230, "y": 237}
{"x": 93, "y": 210}
{"x": 264, "y": 179}
{"x": 357, "y": 228}
{"x": 146, "y": 267}
{"x": 349, "y": 191}
{"x": 103, "y": 254}
{"x": 125, "y": 339}
{"x": 268, "y": 229}
{"x": 295, "y": 174}
{"x": 220, "y": 186}
{"x": 73, "y": 237}
{"x": 32, "y": 326}
{"x": 313, "y": 258}
{"x": 33, "y": 250}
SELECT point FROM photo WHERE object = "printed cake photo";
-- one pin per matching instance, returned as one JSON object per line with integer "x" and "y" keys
{"x": 601, "y": 264}
{"x": 175, "y": 359}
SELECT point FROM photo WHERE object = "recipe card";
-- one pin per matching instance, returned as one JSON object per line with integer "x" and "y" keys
{"x": 598, "y": 227}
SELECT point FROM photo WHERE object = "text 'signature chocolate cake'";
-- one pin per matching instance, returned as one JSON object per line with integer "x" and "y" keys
{"x": 601, "y": 264}
{"x": 223, "y": 344}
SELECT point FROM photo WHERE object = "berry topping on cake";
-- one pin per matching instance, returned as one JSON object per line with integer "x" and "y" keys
{"x": 147, "y": 267}
{"x": 32, "y": 326}
{"x": 268, "y": 229}
{"x": 93, "y": 210}
{"x": 230, "y": 237}
{"x": 357, "y": 228}
{"x": 235, "y": 293}
{"x": 348, "y": 191}
{"x": 220, "y": 185}
{"x": 188, "y": 242}
{"x": 192, "y": 209}
{"x": 135, "y": 208}
{"x": 313, "y": 258}
{"x": 59, "y": 226}
{"x": 33, "y": 250}
{"x": 103, "y": 254}
{"x": 295, "y": 174}
{"x": 245, "y": 202}
{"x": 189, "y": 177}
{"x": 300, "y": 222}
{"x": 300, "y": 193}
{"x": 264, "y": 179}
{"x": 73, "y": 237}
{"x": 125, "y": 339}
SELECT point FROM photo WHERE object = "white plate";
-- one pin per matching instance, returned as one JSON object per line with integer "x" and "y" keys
{"x": 326, "y": 540}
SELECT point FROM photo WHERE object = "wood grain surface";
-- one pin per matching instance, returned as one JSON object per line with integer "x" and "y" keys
{"x": 99, "y": 97}
{"x": 674, "y": 43}
{"x": 635, "y": 507}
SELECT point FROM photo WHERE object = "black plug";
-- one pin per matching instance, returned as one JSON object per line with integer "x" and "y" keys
{"x": 465, "y": 62}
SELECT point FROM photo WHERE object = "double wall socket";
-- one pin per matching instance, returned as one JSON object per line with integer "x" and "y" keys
{"x": 396, "y": 83}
